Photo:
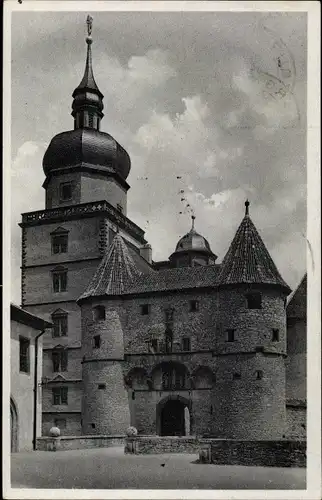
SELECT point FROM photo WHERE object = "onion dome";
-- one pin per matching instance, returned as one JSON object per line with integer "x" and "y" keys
{"x": 86, "y": 146}
{"x": 248, "y": 260}
{"x": 192, "y": 249}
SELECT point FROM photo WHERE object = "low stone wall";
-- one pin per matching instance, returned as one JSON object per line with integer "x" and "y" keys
{"x": 255, "y": 453}
{"x": 78, "y": 442}
{"x": 283, "y": 453}
{"x": 157, "y": 444}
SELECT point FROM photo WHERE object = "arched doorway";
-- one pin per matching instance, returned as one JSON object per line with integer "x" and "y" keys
{"x": 13, "y": 426}
{"x": 174, "y": 416}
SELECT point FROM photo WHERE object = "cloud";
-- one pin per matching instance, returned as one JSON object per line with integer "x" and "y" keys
{"x": 196, "y": 120}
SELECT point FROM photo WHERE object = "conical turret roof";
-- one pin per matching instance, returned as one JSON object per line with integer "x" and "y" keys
{"x": 116, "y": 270}
{"x": 248, "y": 260}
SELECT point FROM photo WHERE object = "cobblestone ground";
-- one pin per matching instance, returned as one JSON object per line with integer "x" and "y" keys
{"x": 107, "y": 468}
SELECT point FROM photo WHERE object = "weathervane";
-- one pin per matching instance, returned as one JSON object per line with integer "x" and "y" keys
{"x": 89, "y": 22}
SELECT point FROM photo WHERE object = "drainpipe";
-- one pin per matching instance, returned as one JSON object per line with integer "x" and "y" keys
{"x": 34, "y": 441}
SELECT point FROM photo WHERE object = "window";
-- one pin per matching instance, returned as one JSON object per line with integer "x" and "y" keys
{"x": 254, "y": 300}
{"x": 90, "y": 120}
{"x": 119, "y": 208}
{"x": 154, "y": 345}
{"x": 97, "y": 341}
{"x": 98, "y": 313}
{"x": 186, "y": 344}
{"x": 59, "y": 243}
{"x": 93, "y": 426}
{"x": 211, "y": 410}
{"x": 60, "y": 360}
{"x": 60, "y": 324}
{"x": 24, "y": 355}
{"x": 60, "y": 280}
{"x": 102, "y": 386}
{"x": 60, "y": 395}
{"x": 60, "y": 422}
{"x": 173, "y": 379}
{"x": 194, "y": 305}
{"x": 236, "y": 376}
{"x": 145, "y": 309}
{"x": 275, "y": 335}
{"x": 133, "y": 395}
{"x": 230, "y": 335}
{"x": 66, "y": 191}
{"x": 259, "y": 374}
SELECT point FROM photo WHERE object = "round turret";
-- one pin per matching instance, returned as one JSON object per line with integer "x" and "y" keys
{"x": 192, "y": 250}
{"x": 250, "y": 341}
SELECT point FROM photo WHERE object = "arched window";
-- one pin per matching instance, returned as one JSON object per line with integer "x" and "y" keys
{"x": 98, "y": 313}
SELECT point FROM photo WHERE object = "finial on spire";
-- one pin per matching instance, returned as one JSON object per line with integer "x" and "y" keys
{"x": 89, "y": 22}
{"x": 247, "y": 207}
{"x": 193, "y": 218}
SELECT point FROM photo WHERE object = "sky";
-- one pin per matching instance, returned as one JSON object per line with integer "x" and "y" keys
{"x": 210, "y": 106}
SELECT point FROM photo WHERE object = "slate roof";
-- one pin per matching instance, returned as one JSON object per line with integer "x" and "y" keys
{"x": 180, "y": 278}
{"x": 296, "y": 307}
{"x": 248, "y": 260}
{"x": 120, "y": 265}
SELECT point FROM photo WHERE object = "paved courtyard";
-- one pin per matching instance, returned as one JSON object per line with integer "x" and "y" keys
{"x": 107, "y": 468}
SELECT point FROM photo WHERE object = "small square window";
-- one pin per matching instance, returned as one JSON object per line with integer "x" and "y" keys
{"x": 102, "y": 386}
{"x": 98, "y": 313}
{"x": 236, "y": 376}
{"x": 194, "y": 305}
{"x": 145, "y": 309}
{"x": 93, "y": 426}
{"x": 254, "y": 300}
{"x": 24, "y": 354}
{"x": 275, "y": 335}
{"x": 66, "y": 191}
{"x": 97, "y": 341}
{"x": 186, "y": 344}
{"x": 230, "y": 335}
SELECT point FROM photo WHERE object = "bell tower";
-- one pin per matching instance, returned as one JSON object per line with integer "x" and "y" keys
{"x": 86, "y": 191}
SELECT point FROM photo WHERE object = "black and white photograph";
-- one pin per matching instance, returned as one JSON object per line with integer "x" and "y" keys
{"x": 162, "y": 271}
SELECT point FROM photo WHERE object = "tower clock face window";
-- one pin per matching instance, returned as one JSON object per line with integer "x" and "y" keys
{"x": 59, "y": 243}
{"x": 66, "y": 191}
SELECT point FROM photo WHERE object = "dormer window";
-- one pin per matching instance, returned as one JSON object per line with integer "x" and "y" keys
{"x": 66, "y": 191}
{"x": 119, "y": 208}
{"x": 98, "y": 313}
{"x": 254, "y": 300}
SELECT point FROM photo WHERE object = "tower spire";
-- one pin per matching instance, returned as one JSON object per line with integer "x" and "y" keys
{"x": 193, "y": 218}
{"x": 88, "y": 100}
{"x": 247, "y": 207}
